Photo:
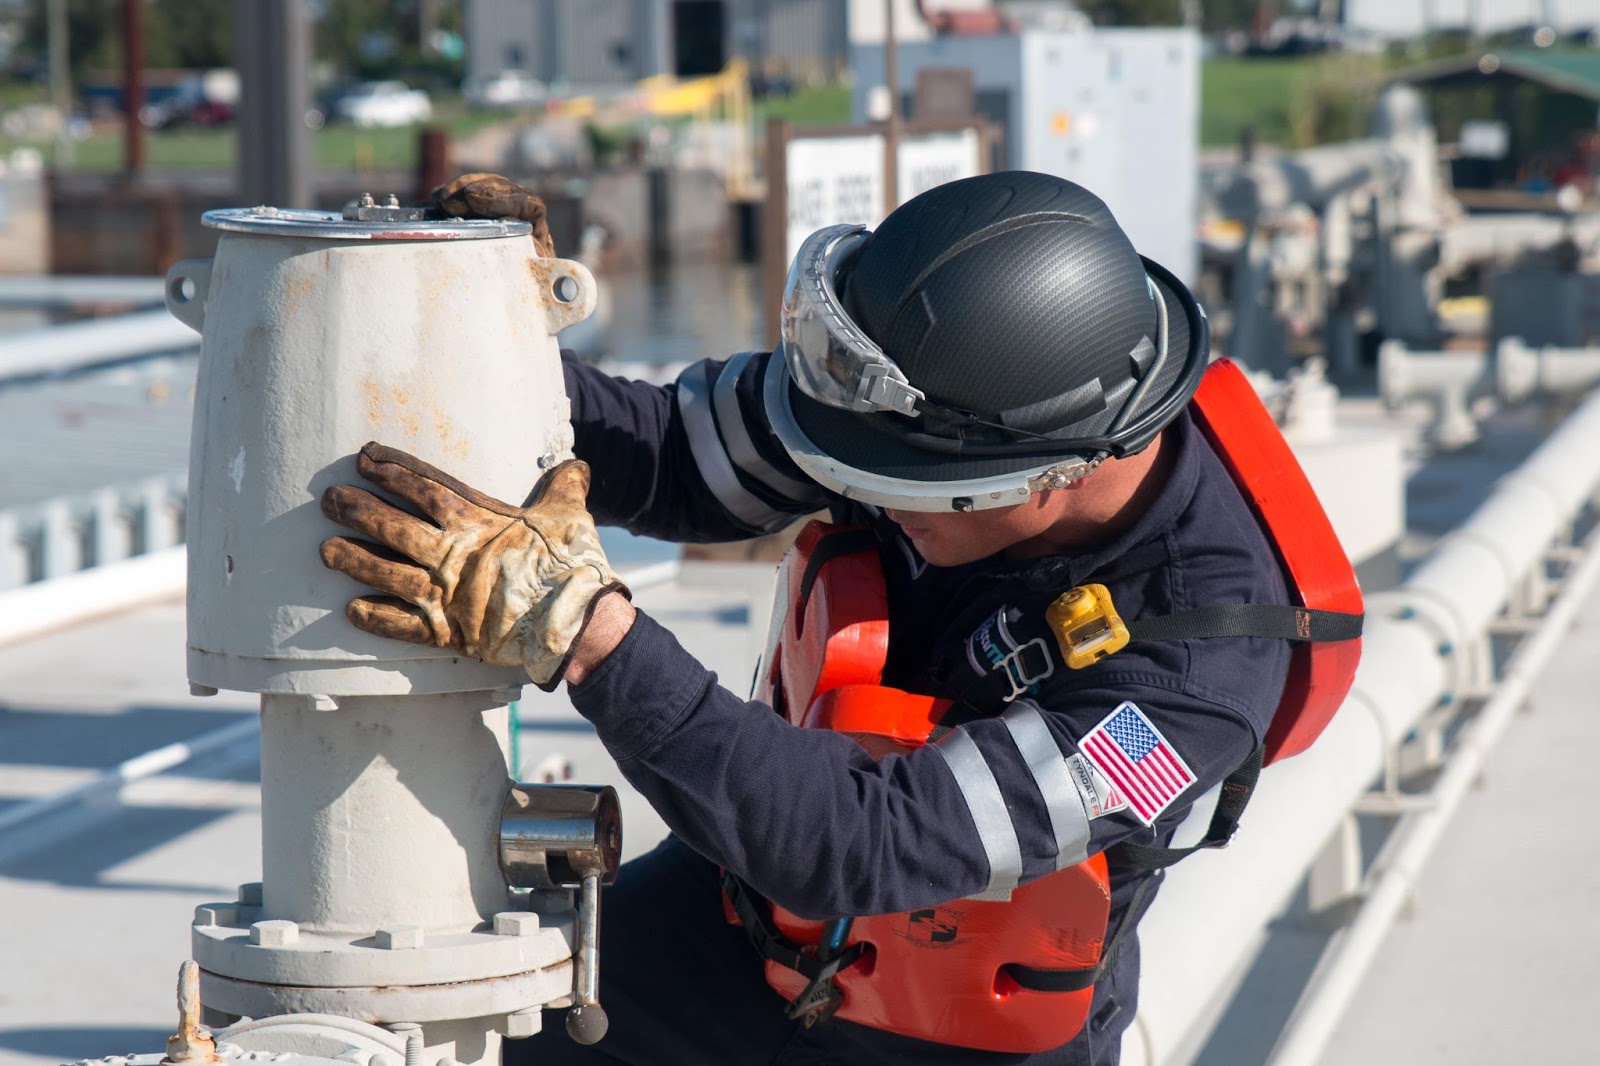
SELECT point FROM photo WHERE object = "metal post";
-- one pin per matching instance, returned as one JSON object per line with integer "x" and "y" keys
{"x": 775, "y": 224}
{"x": 272, "y": 44}
{"x": 891, "y": 140}
{"x": 433, "y": 160}
{"x": 60, "y": 80}
{"x": 132, "y": 89}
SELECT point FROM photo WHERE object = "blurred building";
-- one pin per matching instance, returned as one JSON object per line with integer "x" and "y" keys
{"x": 599, "y": 43}
{"x": 1114, "y": 109}
{"x": 1519, "y": 118}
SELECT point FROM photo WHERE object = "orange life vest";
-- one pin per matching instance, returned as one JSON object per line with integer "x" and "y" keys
{"x": 967, "y": 973}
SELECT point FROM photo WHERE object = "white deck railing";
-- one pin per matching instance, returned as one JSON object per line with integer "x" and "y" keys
{"x": 1427, "y": 654}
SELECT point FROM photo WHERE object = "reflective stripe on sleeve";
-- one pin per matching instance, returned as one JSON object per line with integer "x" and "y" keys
{"x": 989, "y": 813}
{"x": 741, "y": 449}
{"x": 699, "y": 420}
{"x": 1040, "y": 751}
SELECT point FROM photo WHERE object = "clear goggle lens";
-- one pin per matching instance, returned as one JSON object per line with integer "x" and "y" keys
{"x": 828, "y": 357}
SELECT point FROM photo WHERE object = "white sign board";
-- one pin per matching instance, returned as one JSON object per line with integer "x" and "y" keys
{"x": 833, "y": 179}
{"x": 929, "y": 159}
{"x": 841, "y": 179}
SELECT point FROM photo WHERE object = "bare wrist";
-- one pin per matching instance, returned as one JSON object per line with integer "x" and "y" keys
{"x": 612, "y": 618}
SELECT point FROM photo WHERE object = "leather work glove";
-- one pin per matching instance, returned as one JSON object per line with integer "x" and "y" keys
{"x": 494, "y": 196}
{"x": 509, "y": 585}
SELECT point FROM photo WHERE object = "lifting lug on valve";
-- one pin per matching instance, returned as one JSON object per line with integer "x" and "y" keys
{"x": 563, "y": 837}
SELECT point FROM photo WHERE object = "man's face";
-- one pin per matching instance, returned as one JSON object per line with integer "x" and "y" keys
{"x": 1084, "y": 512}
{"x": 951, "y": 538}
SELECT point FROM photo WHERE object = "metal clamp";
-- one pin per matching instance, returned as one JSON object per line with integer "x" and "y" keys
{"x": 562, "y": 837}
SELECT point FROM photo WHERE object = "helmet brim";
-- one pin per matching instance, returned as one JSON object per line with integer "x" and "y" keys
{"x": 863, "y": 451}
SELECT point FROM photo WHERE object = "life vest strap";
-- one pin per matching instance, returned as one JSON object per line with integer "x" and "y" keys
{"x": 836, "y": 544}
{"x": 1271, "y": 620}
{"x": 772, "y": 944}
{"x": 1231, "y": 802}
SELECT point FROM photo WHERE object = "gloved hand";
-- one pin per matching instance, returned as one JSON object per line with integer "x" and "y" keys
{"x": 509, "y": 585}
{"x": 493, "y": 196}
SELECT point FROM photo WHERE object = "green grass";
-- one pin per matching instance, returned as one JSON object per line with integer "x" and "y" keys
{"x": 817, "y": 105}
{"x": 334, "y": 147}
{"x": 1293, "y": 102}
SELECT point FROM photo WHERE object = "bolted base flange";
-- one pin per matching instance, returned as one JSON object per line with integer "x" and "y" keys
{"x": 230, "y": 939}
{"x": 513, "y": 994}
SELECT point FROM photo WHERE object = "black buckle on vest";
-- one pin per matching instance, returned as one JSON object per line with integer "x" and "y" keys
{"x": 821, "y": 997}
{"x": 1025, "y": 666}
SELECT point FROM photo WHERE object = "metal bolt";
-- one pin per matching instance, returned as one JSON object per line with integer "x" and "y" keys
{"x": 546, "y": 461}
{"x": 413, "y": 1034}
{"x": 366, "y": 199}
{"x": 400, "y": 937}
{"x": 275, "y": 933}
{"x": 250, "y": 893}
{"x": 516, "y": 923}
{"x": 209, "y": 914}
{"x": 524, "y": 1023}
{"x": 393, "y": 201}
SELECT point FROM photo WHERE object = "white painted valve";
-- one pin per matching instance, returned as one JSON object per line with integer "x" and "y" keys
{"x": 383, "y": 765}
{"x": 318, "y": 335}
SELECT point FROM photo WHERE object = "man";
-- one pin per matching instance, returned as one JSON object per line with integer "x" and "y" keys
{"x": 995, "y": 382}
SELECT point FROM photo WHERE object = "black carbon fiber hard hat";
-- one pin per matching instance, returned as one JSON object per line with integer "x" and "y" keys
{"x": 1015, "y": 297}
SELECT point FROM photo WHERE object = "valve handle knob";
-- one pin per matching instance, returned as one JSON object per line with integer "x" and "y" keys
{"x": 586, "y": 1024}
{"x": 587, "y": 1021}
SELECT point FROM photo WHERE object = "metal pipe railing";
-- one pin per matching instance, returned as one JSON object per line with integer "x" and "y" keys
{"x": 66, "y": 601}
{"x": 66, "y": 534}
{"x": 1452, "y": 381}
{"x": 1425, "y": 646}
{"x": 76, "y": 345}
{"x": 1398, "y": 870}
{"x": 61, "y": 290}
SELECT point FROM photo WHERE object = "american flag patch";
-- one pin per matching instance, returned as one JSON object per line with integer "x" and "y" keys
{"x": 1133, "y": 755}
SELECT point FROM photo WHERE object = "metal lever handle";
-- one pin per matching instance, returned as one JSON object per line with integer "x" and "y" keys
{"x": 555, "y": 837}
{"x": 587, "y": 1021}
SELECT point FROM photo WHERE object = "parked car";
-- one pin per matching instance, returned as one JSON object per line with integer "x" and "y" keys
{"x": 197, "y": 98}
{"x": 509, "y": 88}
{"x": 384, "y": 103}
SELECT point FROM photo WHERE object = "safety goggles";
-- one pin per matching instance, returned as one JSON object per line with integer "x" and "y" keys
{"x": 829, "y": 358}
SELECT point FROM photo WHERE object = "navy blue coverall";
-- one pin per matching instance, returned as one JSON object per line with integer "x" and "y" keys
{"x": 809, "y": 819}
